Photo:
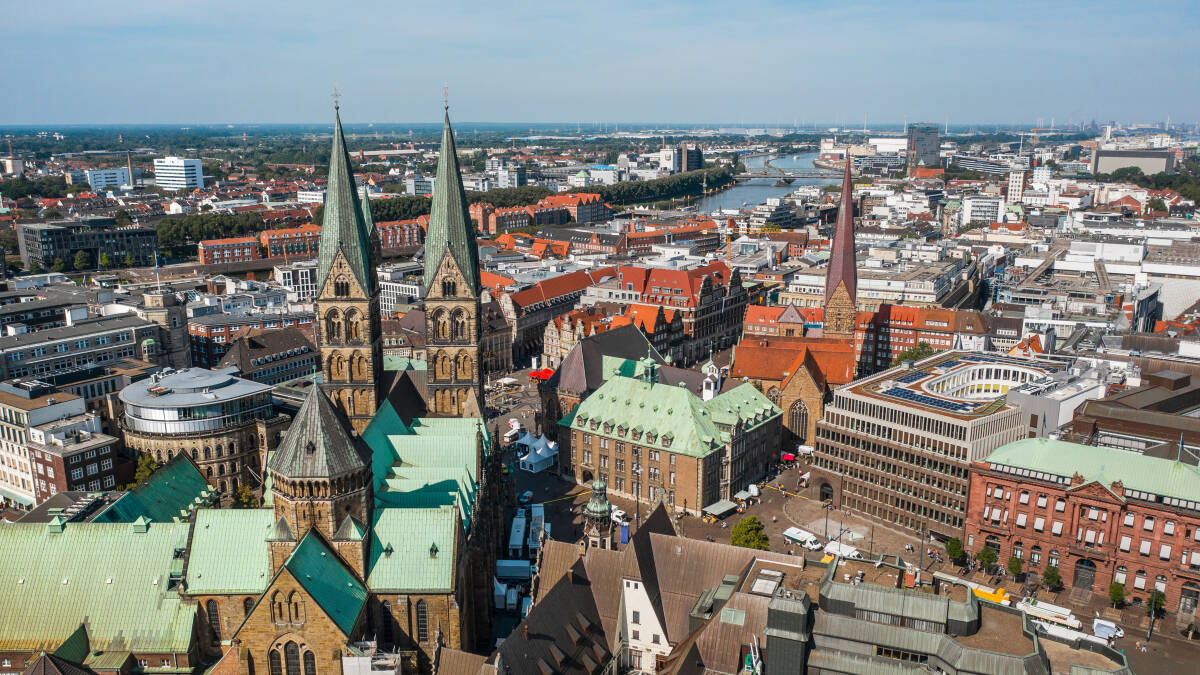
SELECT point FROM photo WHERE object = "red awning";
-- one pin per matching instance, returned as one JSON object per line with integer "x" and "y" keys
{"x": 543, "y": 374}
{"x": 787, "y": 457}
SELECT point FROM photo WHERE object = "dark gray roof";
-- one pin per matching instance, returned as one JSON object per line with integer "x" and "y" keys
{"x": 82, "y": 328}
{"x": 582, "y": 370}
{"x": 317, "y": 445}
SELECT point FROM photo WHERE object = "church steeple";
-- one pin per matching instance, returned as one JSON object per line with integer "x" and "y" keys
{"x": 348, "y": 322}
{"x": 452, "y": 292}
{"x": 451, "y": 231}
{"x": 344, "y": 227}
{"x": 841, "y": 278}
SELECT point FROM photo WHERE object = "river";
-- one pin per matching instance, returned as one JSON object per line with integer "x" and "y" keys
{"x": 755, "y": 191}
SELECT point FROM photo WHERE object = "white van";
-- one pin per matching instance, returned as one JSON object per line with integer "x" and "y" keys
{"x": 802, "y": 538}
{"x": 843, "y": 551}
{"x": 1102, "y": 628}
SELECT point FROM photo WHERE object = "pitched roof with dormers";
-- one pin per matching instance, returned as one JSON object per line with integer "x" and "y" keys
{"x": 342, "y": 227}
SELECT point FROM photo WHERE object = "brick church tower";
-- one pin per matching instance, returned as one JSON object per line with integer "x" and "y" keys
{"x": 841, "y": 278}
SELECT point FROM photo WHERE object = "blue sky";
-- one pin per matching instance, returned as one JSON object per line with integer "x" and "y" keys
{"x": 169, "y": 61}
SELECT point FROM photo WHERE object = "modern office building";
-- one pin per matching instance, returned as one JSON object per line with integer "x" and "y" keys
{"x": 896, "y": 446}
{"x": 81, "y": 344}
{"x": 923, "y": 145}
{"x": 693, "y": 157}
{"x": 49, "y": 243}
{"x": 1016, "y": 187}
{"x": 225, "y": 423}
{"x": 212, "y": 335}
{"x": 25, "y": 404}
{"x": 1149, "y": 161}
{"x": 510, "y": 177}
{"x": 177, "y": 173}
{"x": 981, "y": 209}
{"x": 98, "y": 179}
{"x": 299, "y": 279}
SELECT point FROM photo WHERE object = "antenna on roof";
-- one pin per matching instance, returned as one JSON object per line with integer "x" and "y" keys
{"x": 446, "y": 97}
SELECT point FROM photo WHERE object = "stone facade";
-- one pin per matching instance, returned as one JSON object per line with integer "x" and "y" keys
{"x": 351, "y": 348}
{"x": 452, "y": 341}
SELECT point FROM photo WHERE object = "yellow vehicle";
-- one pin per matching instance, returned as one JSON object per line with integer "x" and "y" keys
{"x": 999, "y": 596}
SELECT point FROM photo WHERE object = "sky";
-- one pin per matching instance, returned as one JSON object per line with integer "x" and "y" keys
{"x": 741, "y": 62}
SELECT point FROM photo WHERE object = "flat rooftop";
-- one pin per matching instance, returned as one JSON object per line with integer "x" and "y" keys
{"x": 888, "y": 576}
{"x": 999, "y": 631}
{"x": 190, "y": 387}
{"x": 963, "y": 385}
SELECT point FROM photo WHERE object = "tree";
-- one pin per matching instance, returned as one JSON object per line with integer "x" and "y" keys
{"x": 245, "y": 498}
{"x": 986, "y": 557}
{"x": 35, "y": 268}
{"x": 749, "y": 533}
{"x": 921, "y": 351}
{"x": 129, "y": 260}
{"x": 105, "y": 261}
{"x": 145, "y": 466}
{"x": 1014, "y": 566}
{"x": 1155, "y": 602}
{"x": 1116, "y": 594}
{"x": 1156, "y": 204}
{"x": 83, "y": 260}
{"x": 1052, "y": 578}
{"x": 52, "y": 213}
{"x": 58, "y": 266}
{"x": 954, "y": 548}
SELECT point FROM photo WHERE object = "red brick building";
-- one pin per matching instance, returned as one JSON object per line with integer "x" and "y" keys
{"x": 290, "y": 241}
{"x": 1100, "y": 515}
{"x": 400, "y": 233}
{"x": 584, "y": 207}
{"x": 231, "y": 249}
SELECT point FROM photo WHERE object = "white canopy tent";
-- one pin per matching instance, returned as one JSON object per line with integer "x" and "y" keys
{"x": 540, "y": 453}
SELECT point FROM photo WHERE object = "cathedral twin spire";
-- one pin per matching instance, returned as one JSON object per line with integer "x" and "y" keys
{"x": 347, "y": 225}
{"x": 843, "y": 268}
{"x": 450, "y": 228}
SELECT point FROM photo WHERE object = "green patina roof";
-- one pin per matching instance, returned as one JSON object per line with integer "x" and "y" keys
{"x": 117, "y": 585}
{"x": 169, "y": 494}
{"x": 393, "y": 362}
{"x": 330, "y": 584}
{"x": 1165, "y": 477}
{"x": 229, "y": 551}
{"x": 343, "y": 227}
{"x": 350, "y": 530}
{"x": 409, "y": 533}
{"x": 75, "y": 648}
{"x": 317, "y": 444}
{"x": 695, "y": 427}
{"x": 450, "y": 226}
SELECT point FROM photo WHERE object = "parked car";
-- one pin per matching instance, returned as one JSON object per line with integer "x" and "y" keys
{"x": 618, "y": 516}
{"x": 526, "y": 496}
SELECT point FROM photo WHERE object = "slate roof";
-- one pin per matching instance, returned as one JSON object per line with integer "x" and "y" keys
{"x": 583, "y": 368}
{"x": 317, "y": 444}
{"x": 49, "y": 664}
{"x": 170, "y": 494}
{"x": 342, "y": 225}
{"x": 450, "y": 225}
{"x": 263, "y": 343}
{"x": 1164, "y": 477}
{"x": 117, "y": 581}
{"x": 229, "y": 551}
{"x": 327, "y": 580}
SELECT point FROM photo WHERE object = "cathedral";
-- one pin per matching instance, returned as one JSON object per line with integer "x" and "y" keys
{"x": 377, "y": 540}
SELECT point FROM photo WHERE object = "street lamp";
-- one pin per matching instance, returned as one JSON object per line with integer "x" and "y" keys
{"x": 827, "y": 505}
{"x": 637, "y": 494}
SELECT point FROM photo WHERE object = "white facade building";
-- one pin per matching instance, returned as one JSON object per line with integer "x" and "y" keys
{"x": 178, "y": 173}
{"x": 1016, "y": 186}
{"x": 982, "y": 209}
{"x": 98, "y": 179}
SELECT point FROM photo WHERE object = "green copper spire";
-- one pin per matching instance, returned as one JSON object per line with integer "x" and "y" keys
{"x": 343, "y": 227}
{"x": 450, "y": 227}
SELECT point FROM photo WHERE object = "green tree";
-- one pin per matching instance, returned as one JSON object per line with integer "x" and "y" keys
{"x": 986, "y": 557}
{"x": 749, "y": 533}
{"x": 83, "y": 260}
{"x": 921, "y": 351}
{"x": 123, "y": 218}
{"x": 35, "y": 268}
{"x": 145, "y": 466}
{"x": 105, "y": 261}
{"x": 1052, "y": 578}
{"x": 1116, "y": 594}
{"x": 129, "y": 260}
{"x": 973, "y": 225}
{"x": 1015, "y": 566}
{"x": 245, "y": 498}
{"x": 1156, "y": 204}
{"x": 954, "y": 548}
{"x": 52, "y": 213}
{"x": 1155, "y": 602}
{"x": 58, "y": 266}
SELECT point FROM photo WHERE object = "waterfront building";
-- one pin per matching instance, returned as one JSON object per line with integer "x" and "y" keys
{"x": 177, "y": 173}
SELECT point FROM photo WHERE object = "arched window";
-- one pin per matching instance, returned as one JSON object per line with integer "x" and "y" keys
{"x": 385, "y": 628}
{"x": 449, "y": 288}
{"x": 291, "y": 658}
{"x": 214, "y": 617}
{"x": 208, "y": 471}
{"x": 442, "y": 325}
{"x": 341, "y": 287}
{"x": 353, "y": 326}
{"x": 207, "y": 452}
{"x": 333, "y": 326}
{"x": 247, "y": 605}
{"x": 1035, "y": 556}
{"x": 310, "y": 663}
{"x": 1053, "y": 560}
{"x": 296, "y": 608}
{"x": 799, "y": 420}
{"x": 422, "y": 623}
{"x": 278, "y": 613}
{"x": 773, "y": 395}
{"x": 276, "y": 663}
{"x": 459, "y": 322}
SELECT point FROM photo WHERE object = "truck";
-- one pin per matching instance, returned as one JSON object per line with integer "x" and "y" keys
{"x": 516, "y": 536}
{"x": 842, "y": 551}
{"x": 514, "y": 570}
{"x": 802, "y": 538}
{"x": 1044, "y": 611}
{"x": 1105, "y": 629}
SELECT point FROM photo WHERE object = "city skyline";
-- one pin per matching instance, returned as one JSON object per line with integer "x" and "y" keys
{"x": 695, "y": 63}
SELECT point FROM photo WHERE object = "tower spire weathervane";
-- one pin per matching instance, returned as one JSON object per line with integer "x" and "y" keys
{"x": 446, "y": 97}
{"x": 337, "y": 98}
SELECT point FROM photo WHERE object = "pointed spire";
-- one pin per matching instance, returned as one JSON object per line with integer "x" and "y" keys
{"x": 842, "y": 265}
{"x": 343, "y": 227}
{"x": 450, "y": 227}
